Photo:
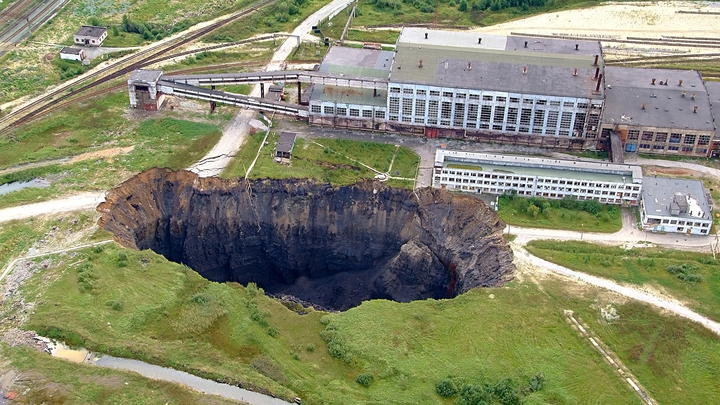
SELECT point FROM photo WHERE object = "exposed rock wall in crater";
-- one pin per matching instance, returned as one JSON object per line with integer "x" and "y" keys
{"x": 333, "y": 246}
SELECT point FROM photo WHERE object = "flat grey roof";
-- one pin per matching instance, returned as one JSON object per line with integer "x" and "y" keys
{"x": 357, "y": 62}
{"x": 90, "y": 31}
{"x": 665, "y": 107}
{"x": 143, "y": 75}
{"x": 450, "y": 60}
{"x": 348, "y": 95}
{"x": 713, "y": 89}
{"x": 530, "y": 166}
{"x": 71, "y": 51}
{"x": 658, "y": 193}
{"x": 286, "y": 142}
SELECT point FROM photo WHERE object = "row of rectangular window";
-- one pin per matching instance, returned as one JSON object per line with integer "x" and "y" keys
{"x": 542, "y": 180}
{"x": 343, "y": 111}
{"x": 649, "y": 136}
{"x": 487, "y": 97}
{"x": 671, "y": 148}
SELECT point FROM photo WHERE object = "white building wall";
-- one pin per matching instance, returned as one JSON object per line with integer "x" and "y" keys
{"x": 70, "y": 56}
{"x": 478, "y": 181}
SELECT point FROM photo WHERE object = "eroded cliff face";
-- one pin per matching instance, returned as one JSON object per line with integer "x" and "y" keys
{"x": 332, "y": 246}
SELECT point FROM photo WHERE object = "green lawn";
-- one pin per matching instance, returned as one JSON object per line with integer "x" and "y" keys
{"x": 537, "y": 212}
{"x": 138, "y": 305}
{"x": 642, "y": 266}
{"x": 337, "y": 161}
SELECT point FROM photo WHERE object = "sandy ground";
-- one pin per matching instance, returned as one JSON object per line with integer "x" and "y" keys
{"x": 620, "y": 20}
{"x": 646, "y": 19}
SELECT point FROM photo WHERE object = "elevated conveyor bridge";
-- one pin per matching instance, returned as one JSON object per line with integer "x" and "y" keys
{"x": 147, "y": 88}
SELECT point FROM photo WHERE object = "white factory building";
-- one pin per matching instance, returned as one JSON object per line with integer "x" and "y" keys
{"x": 537, "y": 177}
{"x": 676, "y": 205}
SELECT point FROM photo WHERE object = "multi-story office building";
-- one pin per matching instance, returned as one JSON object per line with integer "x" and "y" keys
{"x": 537, "y": 177}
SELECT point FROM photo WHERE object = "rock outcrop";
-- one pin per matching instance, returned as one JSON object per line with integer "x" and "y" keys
{"x": 333, "y": 246}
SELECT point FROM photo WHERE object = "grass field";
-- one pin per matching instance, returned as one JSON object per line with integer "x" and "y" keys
{"x": 275, "y": 18}
{"x": 97, "y": 125}
{"x": 643, "y": 266}
{"x": 228, "y": 331}
{"x": 549, "y": 214}
{"x": 336, "y": 161}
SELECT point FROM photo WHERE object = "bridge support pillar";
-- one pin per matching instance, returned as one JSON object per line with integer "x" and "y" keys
{"x": 213, "y": 104}
{"x": 299, "y": 93}
{"x": 262, "y": 90}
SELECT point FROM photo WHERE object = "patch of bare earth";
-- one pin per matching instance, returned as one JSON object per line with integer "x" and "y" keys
{"x": 101, "y": 154}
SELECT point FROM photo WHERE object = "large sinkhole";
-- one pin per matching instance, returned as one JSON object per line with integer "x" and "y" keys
{"x": 331, "y": 246}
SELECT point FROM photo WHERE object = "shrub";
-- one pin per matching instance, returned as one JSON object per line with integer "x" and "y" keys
{"x": 98, "y": 249}
{"x": 200, "y": 299}
{"x": 446, "y": 388}
{"x": 336, "y": 349}
{"x": 310, "y": 347}
{"x": 251, "y": 289}
{"x": 365, "y": 379}
{"x": 506, "y": 392}
{"x": 475, "y": 394}
{"x": 115, "y": 305}
{"x": 536, "y": 382}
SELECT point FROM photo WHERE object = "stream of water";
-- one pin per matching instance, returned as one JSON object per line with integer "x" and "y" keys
{"x": 165, "y": 374}
{"x": 19, "y": 185}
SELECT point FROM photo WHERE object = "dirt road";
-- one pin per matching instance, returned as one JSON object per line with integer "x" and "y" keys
{"x": 235, "y": 133}
{"x": 525, "y": 259}
{"x": 85, "y": 201}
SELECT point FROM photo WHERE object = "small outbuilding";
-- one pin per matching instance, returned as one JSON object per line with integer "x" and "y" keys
{"x": 89, "y": 35}
{"x": 285, "y": 145}
{"x": 69, "y": 53}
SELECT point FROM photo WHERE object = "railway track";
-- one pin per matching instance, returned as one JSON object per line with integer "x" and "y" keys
{"x": 135, "y": 61}
{"x": 666, "y": 58}
{"x": 694, "y": 43}
{"x": 77, "y": 98}
{"x": 14, "y": 10}
{"x": 37, "y": 16}
{"x": 86, "y": 96}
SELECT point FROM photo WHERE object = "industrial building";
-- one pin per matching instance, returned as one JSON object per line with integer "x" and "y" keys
{"x": 676, "y": 205}
{"x": 531, "y": 91}
{"x": 658, "y": 111}
{"x": 537, "y": 177}
{"x": 543, "y": 92}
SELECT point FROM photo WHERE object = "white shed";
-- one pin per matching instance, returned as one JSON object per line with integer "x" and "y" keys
{"x": 70, "y": 53}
